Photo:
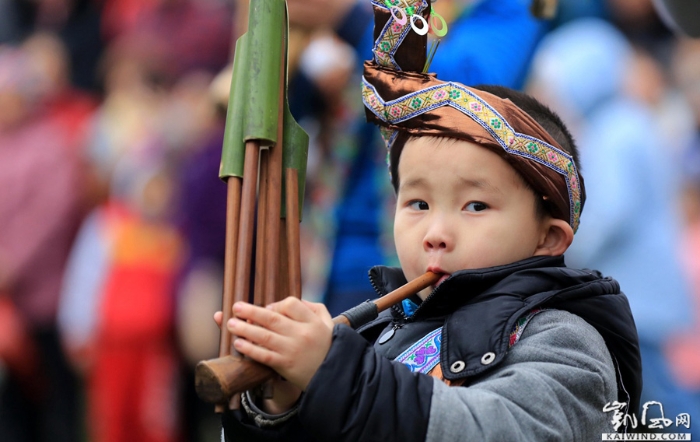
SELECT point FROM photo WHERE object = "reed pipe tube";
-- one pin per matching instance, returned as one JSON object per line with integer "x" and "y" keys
{"x": 292, "y": 224}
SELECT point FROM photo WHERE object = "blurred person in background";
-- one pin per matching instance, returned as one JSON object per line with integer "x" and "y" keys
{"x": 200, "y": 217}
{"x": 71, "y": 107}
{"x": 40, "y": 209}
{"x": 131, "y": 250}
{"x": 641, "y": 24}
{"x": 117, "y": 309}
{"x": 173, "y": 36}
{"x": 632, "y": 223}
{"x": 120, "y": 298}
{"x": 75, "y": 22}
{"x": 684, "y": 349}
{"x": 182, "y": 43}
{"x": 121, "y": 122}
{"x": 680, "y": 16}
{"x": 637, "y": 19}
{"x": 9, "y": 21}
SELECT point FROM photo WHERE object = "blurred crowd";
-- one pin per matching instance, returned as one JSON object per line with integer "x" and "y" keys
{"x": 112, "y": 215}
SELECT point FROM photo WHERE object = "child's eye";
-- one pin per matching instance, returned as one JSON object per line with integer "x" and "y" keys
{"x": 476, "y": 206}
{"x": 418, "y": 205}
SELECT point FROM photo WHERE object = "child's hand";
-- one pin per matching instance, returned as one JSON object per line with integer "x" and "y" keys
{"x": 291, "y": 336}
{"x": 284, "y": 393}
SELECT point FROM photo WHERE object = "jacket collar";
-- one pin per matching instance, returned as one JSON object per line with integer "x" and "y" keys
{"x": 499, "y": 296}
{"x": 545, "y": 272}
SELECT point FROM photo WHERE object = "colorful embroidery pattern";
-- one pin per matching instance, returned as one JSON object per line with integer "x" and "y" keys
{"x": 460, "y": 98}
{"x": 520, "y": 326}
{"x": 422, "y": 356}
{"x": 393, "y": 33}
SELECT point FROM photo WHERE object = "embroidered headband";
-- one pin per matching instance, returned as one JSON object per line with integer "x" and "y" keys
{"x": 403, "y": 101}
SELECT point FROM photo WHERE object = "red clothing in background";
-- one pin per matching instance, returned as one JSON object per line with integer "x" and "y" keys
{"x": 40, "y": 210}
{"x": 132, "y": 384}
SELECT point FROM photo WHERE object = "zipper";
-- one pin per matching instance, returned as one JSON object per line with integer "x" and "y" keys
{"x": 396, "y": 307}
{"x": 374, "y": 285}
{"x": 430, "y": 296}
{"x": 396, "y": 324}
{"x": 390, "y": 334}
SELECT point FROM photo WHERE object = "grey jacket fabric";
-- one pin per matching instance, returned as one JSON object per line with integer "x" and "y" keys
{"x": 552, "y": 386}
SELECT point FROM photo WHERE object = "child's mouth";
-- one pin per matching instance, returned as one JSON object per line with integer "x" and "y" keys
{"x": 443, "y": 275}
{"x": 442, "y": 278}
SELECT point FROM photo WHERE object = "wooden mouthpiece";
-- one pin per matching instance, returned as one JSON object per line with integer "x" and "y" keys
{"x": 367, "y": 311}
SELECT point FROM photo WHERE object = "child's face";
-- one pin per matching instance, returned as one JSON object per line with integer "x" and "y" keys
{"x": 461, "y": 206}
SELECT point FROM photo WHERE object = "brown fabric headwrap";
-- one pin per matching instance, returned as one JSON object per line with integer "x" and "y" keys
{"x": 407, "y": 102}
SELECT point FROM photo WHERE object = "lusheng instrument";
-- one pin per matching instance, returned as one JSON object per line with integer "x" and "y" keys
{"x": 261, "y": 140}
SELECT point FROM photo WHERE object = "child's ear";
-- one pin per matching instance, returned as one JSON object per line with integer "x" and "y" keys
{"x": 556, "y": 238}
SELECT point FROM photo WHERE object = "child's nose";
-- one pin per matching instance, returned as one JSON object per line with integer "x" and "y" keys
{"x": 434, "y": 244}
{"x": 437, "y": 238}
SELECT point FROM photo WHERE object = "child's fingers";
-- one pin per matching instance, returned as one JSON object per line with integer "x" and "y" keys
{"x": 320, "y": 310}
{"x": 255, "y": 334}
{"x": 264, "y": 317}
{"x": 294, "y": 309}
{"x": 257, "y": 353}
{"x": 218, "y": 317}
{"x": 289, "y": 336}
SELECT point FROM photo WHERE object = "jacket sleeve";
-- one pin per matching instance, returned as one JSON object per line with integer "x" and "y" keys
{"x": 352, "y": 397}
{"x": 359, "y": 395}
{"x": 552, "y": 385}
{"x": 250, "y": 424}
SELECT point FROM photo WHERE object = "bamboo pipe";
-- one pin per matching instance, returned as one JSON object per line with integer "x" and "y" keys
{"x": 246, "y": 221}
{"x": 270, "y": 210}
{"x": 216, "y": 380}
{"x": 292, "y": 224}
{"x": 274, "y": 191}
{"x": 233, "y": 207}
{"x": 261, "y": 230}
{"x": 233, "y": 210}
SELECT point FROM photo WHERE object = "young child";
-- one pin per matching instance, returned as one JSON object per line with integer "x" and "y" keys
{"x": 509, "y": 344}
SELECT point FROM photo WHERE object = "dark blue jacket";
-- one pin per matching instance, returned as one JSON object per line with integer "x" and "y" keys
{"x": 360, "y": 394}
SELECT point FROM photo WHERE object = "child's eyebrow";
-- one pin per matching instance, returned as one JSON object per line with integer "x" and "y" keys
{"x": 411, "y": 183}
{"x": 420, "y": 182}
{"x": 480, "y": 184}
